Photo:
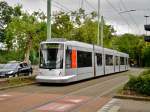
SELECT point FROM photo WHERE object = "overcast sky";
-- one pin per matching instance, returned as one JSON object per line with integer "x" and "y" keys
{"x": 131, "y": 22}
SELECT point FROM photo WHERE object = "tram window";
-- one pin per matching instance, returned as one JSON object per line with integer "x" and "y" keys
{"x": 122, "y": 61}
{"x": 109, "y": 60}
{"x": 84, "y": 59}
{"x": 68, "y": 58}
{"x": 117, "y": 60}
{"x": 99, "y": 59}
{"x": 51, "y": 56}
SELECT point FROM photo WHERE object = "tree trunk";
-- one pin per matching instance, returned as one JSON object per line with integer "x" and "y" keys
{"x": 28, "y": 48}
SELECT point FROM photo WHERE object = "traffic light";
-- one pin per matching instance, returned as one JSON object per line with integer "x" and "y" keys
{"x": 147, "y": 38}
{"x": 147, "y": 27}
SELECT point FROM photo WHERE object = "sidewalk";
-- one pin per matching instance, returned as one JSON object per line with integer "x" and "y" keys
{"x": 124, "y": 105}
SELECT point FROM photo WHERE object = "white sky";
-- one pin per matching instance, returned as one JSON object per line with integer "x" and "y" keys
{"x": 110, "y": 11}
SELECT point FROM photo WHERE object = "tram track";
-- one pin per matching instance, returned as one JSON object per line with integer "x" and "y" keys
{"x": 94, "y": 89}
{"x": 75, "y": 93}
{"x": 113, "y": 77}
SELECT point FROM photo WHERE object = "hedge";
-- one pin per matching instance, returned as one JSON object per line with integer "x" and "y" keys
{"x": 140, "y": 84}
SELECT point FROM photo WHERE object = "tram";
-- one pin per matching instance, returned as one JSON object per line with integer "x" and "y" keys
{"x": 63, "y": 61}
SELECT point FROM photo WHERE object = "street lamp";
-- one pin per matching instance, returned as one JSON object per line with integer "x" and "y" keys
{"x": 146, "y": 22}
{"x": 127, "y": 11}
{"x": 146, "y": 18}
{"x": 147, "y": 28}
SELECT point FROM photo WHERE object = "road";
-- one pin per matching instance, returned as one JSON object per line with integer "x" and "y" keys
{"x": 86, "y": 96}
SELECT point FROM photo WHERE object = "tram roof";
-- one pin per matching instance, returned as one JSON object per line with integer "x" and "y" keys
{"x": 80, "y": 44}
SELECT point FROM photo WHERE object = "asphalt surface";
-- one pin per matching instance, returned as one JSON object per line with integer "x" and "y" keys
{"x": 86, "y": 96}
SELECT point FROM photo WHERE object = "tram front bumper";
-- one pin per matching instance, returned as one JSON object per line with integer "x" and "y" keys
{"x": 60, "y": 79}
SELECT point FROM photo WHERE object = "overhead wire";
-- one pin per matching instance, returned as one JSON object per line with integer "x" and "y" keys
{"x": 124, "y": 6}
{"x": 62, "y": 7}
{"x": 114, "y": 24}
{"x": 124, "y": 19}
{"x": 82, "y": 4}
{"x": 60, "y": 4}
{"x": 90, "y": 5}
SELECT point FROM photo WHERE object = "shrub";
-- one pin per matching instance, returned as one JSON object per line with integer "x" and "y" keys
{"x": 140, "y": 84}
{"x": 6, "y": 56}
{"x": 146, "y": 72}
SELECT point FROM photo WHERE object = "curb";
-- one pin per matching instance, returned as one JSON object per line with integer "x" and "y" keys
{"x": 15, "y": 86}
{"x": 139, "y": 98}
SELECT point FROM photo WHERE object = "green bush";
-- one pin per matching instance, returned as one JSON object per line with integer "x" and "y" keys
{"x": 6, "y": 56}
{"x": 34, "y": 57}
{"x": 145, "y": 57}
{"x": 140, "y": 84}
{"x": 146, "y": 72}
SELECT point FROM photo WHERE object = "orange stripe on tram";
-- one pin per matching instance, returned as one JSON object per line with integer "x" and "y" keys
{"x": 74, "y": 58}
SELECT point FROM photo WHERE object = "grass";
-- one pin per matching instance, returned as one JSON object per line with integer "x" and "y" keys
{"x": 17, "y": 81}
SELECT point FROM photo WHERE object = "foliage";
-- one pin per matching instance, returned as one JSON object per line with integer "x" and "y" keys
{"x": 140, "y": 84}
{"x": 12, "y": 55}
{"x": 131, "y": 44}
{"x": 145, "y": 72}
{"x": 79, "y": 26}
{"x": 34, "y": 57}
{"x": 62, "y": 26}
{"x": 87, "y": 32}
{"x": 25, "y": 31}
{"x": 146, "y": 56}
{"x": 21, "y": 31}
{"x": 6, "y": 14}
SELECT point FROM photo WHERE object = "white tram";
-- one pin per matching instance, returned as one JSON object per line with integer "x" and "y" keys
{"x": 64, "y": 61}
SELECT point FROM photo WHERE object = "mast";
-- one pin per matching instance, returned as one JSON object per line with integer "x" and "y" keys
{"x": 49, "y": 19}
{"x": 98, "y": 33}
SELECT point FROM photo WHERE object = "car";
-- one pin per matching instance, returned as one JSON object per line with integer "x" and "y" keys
{"x": 14, "y": 69}
{"x": 1, "y": 66}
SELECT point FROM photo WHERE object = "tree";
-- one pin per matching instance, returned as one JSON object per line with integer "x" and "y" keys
{"x": 62, "y": 26}
{"x": 6, "y": 14}
{"x": 145, "y": 56}
{"x": 25, "y": 31}
{"x": 131, "y": 44}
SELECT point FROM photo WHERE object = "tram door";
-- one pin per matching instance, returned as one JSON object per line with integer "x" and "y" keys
{"x": 98, "y": 64}
{"x": 71, "y": 61}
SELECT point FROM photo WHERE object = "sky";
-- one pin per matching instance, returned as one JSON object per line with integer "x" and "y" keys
{"x": 127, "y": 22}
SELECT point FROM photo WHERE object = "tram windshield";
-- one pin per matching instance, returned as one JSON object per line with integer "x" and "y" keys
{"x": 51, "y": 56}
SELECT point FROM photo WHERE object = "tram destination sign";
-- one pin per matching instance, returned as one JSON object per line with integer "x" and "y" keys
{"x": 50, "y": 46}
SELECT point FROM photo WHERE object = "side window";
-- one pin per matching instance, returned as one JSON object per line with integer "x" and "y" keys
{"x": 84, "y": 59}
{"x": 99, "y": 59}
{"x": 109, "y": 60}
{"x": 21, "y": 65}
{"x": 68, "y": 58}
{"x": 122, "y": 61}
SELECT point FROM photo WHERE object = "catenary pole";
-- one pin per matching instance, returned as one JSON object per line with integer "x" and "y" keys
{"x": 49, "y": 19}
{"x": 98, "y": 33}
{"x": 102, "y": 31}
